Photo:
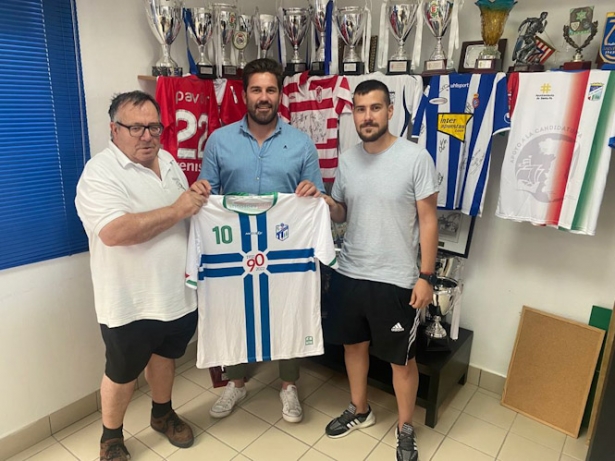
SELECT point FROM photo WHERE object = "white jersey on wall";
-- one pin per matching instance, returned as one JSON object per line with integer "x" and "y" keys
{"x": 254, "y": 262}
{"x": 455, "y": 122}
{"x": 405, "y": 92}
{"x": 559, "y": 149}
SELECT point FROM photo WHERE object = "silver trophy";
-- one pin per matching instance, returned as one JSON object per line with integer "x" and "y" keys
{"x": 241, "y": 37}
{"x": 225, "y": 21}
{"x": 437, "y": 15}
{"x": 401, "y": 19}
{"x": 350, "y": 24}
{"x": 266, "y": 29}
{"x": 295, "y": 22}
{"x": 165, "y": 20}
{"x": 200, "y": 23}
{"x": 318, "y": 10}
{"x": 444, "y": 293}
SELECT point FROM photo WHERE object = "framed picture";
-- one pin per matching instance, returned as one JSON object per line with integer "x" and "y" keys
{"x": 455, "y": 232}
{"x": 470, "y": 52}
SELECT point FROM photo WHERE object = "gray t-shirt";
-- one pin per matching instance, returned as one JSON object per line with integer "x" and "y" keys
{"x": 380, "y": 192}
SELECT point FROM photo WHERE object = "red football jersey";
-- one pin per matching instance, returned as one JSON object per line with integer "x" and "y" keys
{"x": 189, "y": 113}
{"x": 232, "y": 107}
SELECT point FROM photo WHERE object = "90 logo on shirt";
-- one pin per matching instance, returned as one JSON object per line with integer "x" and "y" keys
{"x": 255, "y": 262}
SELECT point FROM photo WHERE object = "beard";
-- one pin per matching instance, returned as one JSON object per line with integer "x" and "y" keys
{"x": 263, "y": 118}
{"x": 374, "y": 136}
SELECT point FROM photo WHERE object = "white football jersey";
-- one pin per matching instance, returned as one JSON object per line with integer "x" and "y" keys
{"x": 254, "y": 262}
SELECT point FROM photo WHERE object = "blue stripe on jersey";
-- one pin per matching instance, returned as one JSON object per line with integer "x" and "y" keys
{"x": 458, "y": 100}
{"x": 431, "y": 118}
{"x": 223, "y": 272}
{"x": 480, "y": 185}
{"x": 261, "y": 226}
{"x": 406, "y": 114}
{"x": 248, "y": 294}
{"x": 244, "y": 228}
{"x": 291, "y": 254}
{"x": 263, "y": 280}
{"x": 221, "y": 258}
{"x": 295, "y": 267}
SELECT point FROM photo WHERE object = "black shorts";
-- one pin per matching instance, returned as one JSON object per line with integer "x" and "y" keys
{"x": 129, "y": 347}
{"x": 364, "y": 310}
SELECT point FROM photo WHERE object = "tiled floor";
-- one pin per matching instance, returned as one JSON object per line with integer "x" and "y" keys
{"x": 473, "y": 426}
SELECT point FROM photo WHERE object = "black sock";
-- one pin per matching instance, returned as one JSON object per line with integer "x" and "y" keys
{"x": 160, "y": 409}
{"x": 112, "y": 433}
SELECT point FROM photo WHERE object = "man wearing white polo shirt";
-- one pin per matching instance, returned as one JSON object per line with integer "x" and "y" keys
{"x": 133, "y": 200}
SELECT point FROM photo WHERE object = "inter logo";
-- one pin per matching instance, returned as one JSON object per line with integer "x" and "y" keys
{"x": 281, "y": 231}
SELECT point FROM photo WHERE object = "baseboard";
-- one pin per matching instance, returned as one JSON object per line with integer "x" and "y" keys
{"x": 487, "y": 380}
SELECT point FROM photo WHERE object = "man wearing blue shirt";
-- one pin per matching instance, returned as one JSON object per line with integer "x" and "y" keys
{"x": 256, "y": 155}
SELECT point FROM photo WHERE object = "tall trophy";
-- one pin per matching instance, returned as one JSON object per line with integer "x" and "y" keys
{"x": 527, "y": 55}
{"x": 241, "y": 37}
{"x": 225, "y": 21}
{"x": 165, "y": 20}
{"x": 444, "y": 293}
{"x": 319, "y": 19}
{"x": 494, "y": 14}
{"x": 580, "y": 24}
{"x": 199, "y": 24}
{"x": 437, "y": 15}
{"x": 295, "y": 22}
{"x": 266, "y": 29}
{"x": 401, "y": 18}
{"x": 351, "y": 24}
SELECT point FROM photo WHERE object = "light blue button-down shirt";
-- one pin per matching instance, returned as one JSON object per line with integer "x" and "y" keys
{"x": 234, "y": 162}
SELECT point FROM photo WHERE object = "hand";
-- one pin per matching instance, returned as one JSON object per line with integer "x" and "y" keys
{"x": 307, "y": 189}
{"x": 422, "y": 294}
{"x": 201, "y": 187}
{"x": 189, "y": 203}
{"x": 329, "y": 201}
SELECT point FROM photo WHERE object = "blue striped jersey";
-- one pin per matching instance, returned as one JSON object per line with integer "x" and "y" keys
{"x": 254, "y": 262}
{"x": 456, "y": 120}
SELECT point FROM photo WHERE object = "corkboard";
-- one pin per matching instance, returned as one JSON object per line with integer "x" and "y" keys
{"x": 551, "y": 369}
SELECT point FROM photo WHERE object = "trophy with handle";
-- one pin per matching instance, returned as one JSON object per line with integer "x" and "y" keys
{"x": 444, "y": 293}
{"x": 165, "y": 20}
{"x": 351, "y": 24}
{"x": 580, "y": 24}
{"x": 401, "y": 18}
{"x": 199, "y": 22}
{"x": 493, "y": 15}
{"x": 241, "y": 37}
{"x": 225, "y": 21}
{"x": 266, "y": 29}
{"x": 319, "y": 19}
{"x": 295, "y": 22}
{"x": 437, "y": 15}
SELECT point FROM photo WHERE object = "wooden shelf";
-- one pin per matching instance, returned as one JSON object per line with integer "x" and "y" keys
{"x": 149, "y": 78}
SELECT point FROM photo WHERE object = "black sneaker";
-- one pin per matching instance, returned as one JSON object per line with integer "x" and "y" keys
{"x": 349, "y": 421}
{"x": 406, "y": 444}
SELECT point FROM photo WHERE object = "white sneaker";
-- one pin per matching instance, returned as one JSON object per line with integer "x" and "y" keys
{"x": 227, "y": 401}
{"x": 291, "y": 408}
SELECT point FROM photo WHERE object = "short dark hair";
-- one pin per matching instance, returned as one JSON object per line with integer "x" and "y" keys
{"x": 136, "y": 98}
{"x": 373, "y": 85}
{"x": 260, "y": 66}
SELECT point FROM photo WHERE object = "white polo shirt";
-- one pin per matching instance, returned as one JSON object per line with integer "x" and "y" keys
{"x": 146, "y": 280}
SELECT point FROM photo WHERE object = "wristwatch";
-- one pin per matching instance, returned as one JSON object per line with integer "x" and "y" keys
{"x": 432, "y": 279}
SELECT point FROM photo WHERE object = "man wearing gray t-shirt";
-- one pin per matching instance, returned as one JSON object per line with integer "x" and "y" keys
{"x": 386, "y": 190}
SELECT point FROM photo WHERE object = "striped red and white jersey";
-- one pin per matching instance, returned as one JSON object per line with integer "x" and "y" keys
{"x": 313, "y": 105}
{"x": 559, "y": 148}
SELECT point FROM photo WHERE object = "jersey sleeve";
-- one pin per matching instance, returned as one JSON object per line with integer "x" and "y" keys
{"x": 164, "y": 97}
{"x": 501, "y": 118}
{"x": 193, "y": 254}
{"x": 285, "y": 103}
{"x": 311, "y": 166}
{"x": 324, "y": 249}
{"x": 415, "y": 94}
{"x": 337, "y": 192}
{"x": 419, "y": 116}
{"x": 343, "y": 97}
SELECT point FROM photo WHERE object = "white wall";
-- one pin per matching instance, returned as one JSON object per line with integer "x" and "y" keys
{"x": 50, "y": 348}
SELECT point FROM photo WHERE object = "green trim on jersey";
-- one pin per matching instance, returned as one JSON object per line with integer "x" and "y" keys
{"x": 250, "y": 204}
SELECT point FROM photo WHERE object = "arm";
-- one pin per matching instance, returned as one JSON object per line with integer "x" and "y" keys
{"x": 337, "y": 209}
{"x": 422, "y": 293}
{"x": 135, "y": 228}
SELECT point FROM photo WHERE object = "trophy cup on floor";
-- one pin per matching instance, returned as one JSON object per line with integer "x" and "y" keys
{"x": 266, "y": 28}
{"x": 494, "y": 14}
{"x": 350, "y": 23}
{"x": 437, "y": 15}
{"x": 165, "y": 20}
{"x": 295, "y": 22}
{"x": 401, "y": 18}
{"x": 199, "y": 24}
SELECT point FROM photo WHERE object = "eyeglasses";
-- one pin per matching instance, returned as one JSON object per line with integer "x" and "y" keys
{"x": 136, "y": 131}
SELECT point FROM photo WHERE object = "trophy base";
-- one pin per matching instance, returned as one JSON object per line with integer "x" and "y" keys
{"x": 293, "y": 68}
{"x": 487, "y": 66}
{"x": 527, "y": 68}
{"x": 436, "y": 67}
{"x": 230, "y": 72}
{"x": 352, "y": 68}
{"x": 205, "y": 71}
{"x": 399, "y": 67}
{"x": 318, "y": 68}
{"x": 158, "y": 71}
{"x": 577, "y": 65}
{"x": 429, "y": 344}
